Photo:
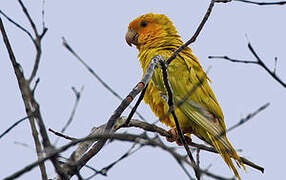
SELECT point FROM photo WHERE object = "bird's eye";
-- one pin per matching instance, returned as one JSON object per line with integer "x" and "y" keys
{"x": 143, "y": 23}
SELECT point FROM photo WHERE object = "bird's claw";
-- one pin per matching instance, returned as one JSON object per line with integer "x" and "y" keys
{"x": 175, "y": 137}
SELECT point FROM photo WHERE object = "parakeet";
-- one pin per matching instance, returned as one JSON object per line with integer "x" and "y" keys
{"x": 201, "y": 115}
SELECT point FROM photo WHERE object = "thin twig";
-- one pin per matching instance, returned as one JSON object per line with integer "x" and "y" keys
{"x": 68, "y": 47}
{"x": 233, "y": 60}
{"x": 198, "y": 157}
{"x": 196, "y": 34}
{"x": 261, "y": 63}
{"x": 136, "y": 106}
{"x": 24, "y": 145}
{"x": 163, "y": 66}
{"x": 248, "y": 117}
{"x": 29, "y": 17}
{"x": 14, "y": 125}
{"x": 105, "y": 170}
{"x": 275, "y": 65}
{"x": 36, "y": 41}
{"x": 77, "y": 98}
{"x": 43, "y": 14}
{"x": 62, "y": 135}
{"x": 258, "y": 62}
{"x": 17, "y": 25}
{"x": 262, "y": 3}
{"x": 217, "y": 176}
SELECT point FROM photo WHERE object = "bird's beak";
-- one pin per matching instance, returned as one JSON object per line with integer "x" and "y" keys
{"x": 131, "y": 37}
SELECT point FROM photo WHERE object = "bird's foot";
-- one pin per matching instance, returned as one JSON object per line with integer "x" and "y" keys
{"x": 175, "y": 137}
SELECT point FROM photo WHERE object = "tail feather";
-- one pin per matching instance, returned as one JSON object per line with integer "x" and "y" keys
{"x": 227, "y": 152}
{"x": 211, "y": 132}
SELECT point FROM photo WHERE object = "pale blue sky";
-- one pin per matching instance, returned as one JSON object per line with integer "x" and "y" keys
{"x": 96, "y": 29}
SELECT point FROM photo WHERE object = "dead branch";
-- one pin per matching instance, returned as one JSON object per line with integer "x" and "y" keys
{"x": 136, "y": 106}
{"x": 262, "y": 3}
{"x": 142, "y": 139}
{"x": 194, "y": 37}
{"x": 94, "y": 74}
{"x": 77, "y": 98}
{"x": 54, "y": 153}
{"x": 23, "y": 87}
{"x": 36, "y": 41}
{"x": 248, "y": 117}
{"x": 171, "y": 106}
{"x": 31, "y": 105}
{"x": 258, "y": 62}
{"x": 14, "y": 125}
{"x": 153, "y": 128}
{"x": 79, "y": 163}
{"x": 60, "y": 134}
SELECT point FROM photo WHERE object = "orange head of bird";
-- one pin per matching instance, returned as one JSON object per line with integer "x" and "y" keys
{"x": 149, "y": 29}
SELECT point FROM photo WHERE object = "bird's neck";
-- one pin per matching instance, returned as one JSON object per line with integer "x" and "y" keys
{"x": 153, "y": 46}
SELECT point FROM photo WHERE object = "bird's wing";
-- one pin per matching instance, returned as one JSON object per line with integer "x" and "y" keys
{"x": 185, "y": 72}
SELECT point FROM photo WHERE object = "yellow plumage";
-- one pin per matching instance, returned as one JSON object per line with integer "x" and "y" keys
{"x": 201, "y": 115}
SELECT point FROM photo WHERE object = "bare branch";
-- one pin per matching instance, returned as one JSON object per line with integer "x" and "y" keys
{"x": 29, "y": 17}
{"x": 233, "y": 60}
{"x": 14, "y": 125}
{"x": 171, "y": 106}
{"x": 62, "y": 135}
{"x": 23, "y": 86}
{"x": 258, "y": 62}
{"x": 162, "y": 132}
{"x": 196, "y": 34}
{"x": 77, "y": 98}
{"x": 43, "y": 16}
{"x": 112, "y": 120}
{"x": 32, "y": 108}
{"x": 136, "y": 106}
{"x": 261, "y": 63}
{"x": 36, "y": 40}
{"x": 68, "y": 47}
{"x": 198, "y": 157}
{"x": 17, "y": 25}
{"x": 262, "y": 3}
{"x": 248, "y": 117}
{"x": 54, "y": 153}
{"x": 275, "y": 65}
{"x": 153, "y": 128}
{"x": 105, "y": 170}
{"x": 139, "y": 139}
{"x": 253, "y": 2}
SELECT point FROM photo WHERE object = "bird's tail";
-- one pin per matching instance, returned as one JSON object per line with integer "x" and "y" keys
{"x": 211, "y": 131}
{"x": 225, "y": 149}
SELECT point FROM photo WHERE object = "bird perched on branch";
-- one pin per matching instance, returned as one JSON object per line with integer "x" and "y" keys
{"x": 200, "y": 114}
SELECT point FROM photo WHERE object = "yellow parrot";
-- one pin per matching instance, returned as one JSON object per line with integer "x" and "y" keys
{"x": 201, "y": 115}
